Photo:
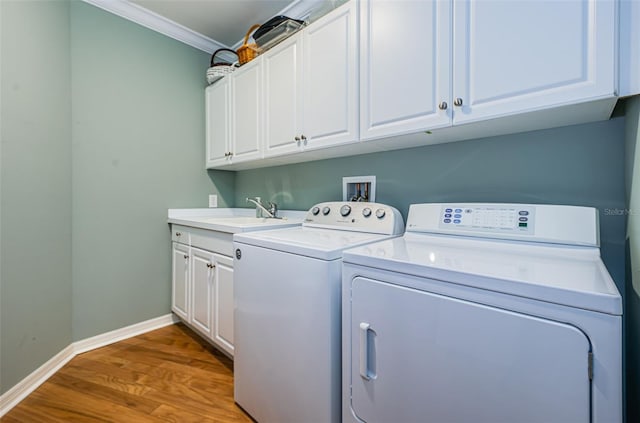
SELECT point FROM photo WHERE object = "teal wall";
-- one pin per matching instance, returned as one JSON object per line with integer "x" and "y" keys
{"x": 576, "y": 165}
{"x": 35, "y": 186}
{"x": 138, "y": 150}
{"x": 102, "y": 131}
{"x": 632, "y": 286}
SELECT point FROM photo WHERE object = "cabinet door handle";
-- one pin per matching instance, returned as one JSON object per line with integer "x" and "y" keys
{"x": 457, "y": 102}
{"x": 186, "y": 256}
{"x": 178, "y": 234}
{"x": 443, "y": 105}
{"x": 303, "y": 138}
{"x": 297, "y": 138}
{"x": 211, "y": 266}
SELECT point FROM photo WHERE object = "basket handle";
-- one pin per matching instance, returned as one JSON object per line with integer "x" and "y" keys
{"x": 218, "y": 51}
{"x": 249, "y": 32}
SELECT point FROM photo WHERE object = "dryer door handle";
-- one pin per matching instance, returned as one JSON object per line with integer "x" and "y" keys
{"x": 365, "y": 370}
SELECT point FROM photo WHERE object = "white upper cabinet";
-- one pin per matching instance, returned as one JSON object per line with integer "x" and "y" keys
{"x": 234, "y": 115}
{"x": 516, "y": 56}
{"x": 217, "y": 118}
{"x": 430, "y": 64}
{"x": 246, "y": 114}
{"x": 283, "y": 97}
{"x": 330, "y": 84}
{"x": 420, "y": 71}
{"x": 405, "y": 66}
{"x": 310, "y": 86}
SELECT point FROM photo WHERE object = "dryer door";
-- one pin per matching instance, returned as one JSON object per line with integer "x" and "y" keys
{"x": 422, "y": 357}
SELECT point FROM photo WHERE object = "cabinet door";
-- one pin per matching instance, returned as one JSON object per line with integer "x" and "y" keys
{"x": 423, "y": 357}
{"x": 330, "y": 92}
{"x": 180, "y": 281}
{"x": 223, "y": 303}
{"x": 246, "y": 114}
{"x": 202, "y": 280}
{"x": 405, "y": 66}
{"x": 217, "y": 120}
{"x": 282, "y": 93}
{"x": 515, "y": 56}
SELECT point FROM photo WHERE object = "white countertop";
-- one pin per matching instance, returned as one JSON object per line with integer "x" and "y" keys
{"x": 232, "y": 220}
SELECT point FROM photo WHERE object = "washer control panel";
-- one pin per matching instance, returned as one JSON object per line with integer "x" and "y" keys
{"x": 497, "y": 219}
{"x": 356, "y": 216}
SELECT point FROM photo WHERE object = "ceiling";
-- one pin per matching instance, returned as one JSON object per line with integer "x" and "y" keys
{"x": 210, "y": 24}
{"x": 224, "y": 21}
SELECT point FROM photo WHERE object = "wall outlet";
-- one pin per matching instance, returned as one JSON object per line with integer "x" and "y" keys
{"x": 213, "y": 201}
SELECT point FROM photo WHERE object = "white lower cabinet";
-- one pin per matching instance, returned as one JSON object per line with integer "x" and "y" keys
{"x": 180, "y": 286}
{"x": 223, "y": 303}
{"x": 202, "y": 281}
{"x": 202, "y": 292}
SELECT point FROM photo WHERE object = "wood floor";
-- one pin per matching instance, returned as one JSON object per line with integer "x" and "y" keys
{"x": 168, "y": 375}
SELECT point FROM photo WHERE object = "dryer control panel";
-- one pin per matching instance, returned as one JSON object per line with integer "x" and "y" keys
{"x": 571, "y": 225}
{"x": 356, "y": 216}
{"x": 496, "y": 219}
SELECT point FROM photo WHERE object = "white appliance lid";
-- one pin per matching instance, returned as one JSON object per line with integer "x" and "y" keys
{"x": 571, "y": 276}
{"x": 323, "y": 244}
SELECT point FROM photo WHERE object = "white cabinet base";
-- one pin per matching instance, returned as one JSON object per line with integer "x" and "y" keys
{"x": 202, "y": 284}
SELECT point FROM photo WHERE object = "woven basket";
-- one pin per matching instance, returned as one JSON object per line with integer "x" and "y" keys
{"x": 219, "y": 69}
{"x": 247, "y": 52}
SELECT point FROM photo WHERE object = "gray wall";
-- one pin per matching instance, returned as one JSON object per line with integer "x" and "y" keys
{"x": 138, "y": 149}
{"x": 576, "y": 165}
{"x": 632, "y": 300}
{"x": 35, "y": 186}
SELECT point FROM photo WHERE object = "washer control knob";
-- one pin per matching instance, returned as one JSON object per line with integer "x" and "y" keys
{"x": 345, "y": 210}
{"x": 366, "y": 212}
{"x": 315, "y": 211}
{"x": 326, "y": 210}
{"x": 380, "y": 213}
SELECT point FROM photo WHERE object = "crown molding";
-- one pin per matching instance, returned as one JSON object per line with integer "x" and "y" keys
{"x": 298, "y": 9}
{"x": 157, "y": 23}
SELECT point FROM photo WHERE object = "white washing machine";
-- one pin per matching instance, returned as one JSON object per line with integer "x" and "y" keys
{"x": 287, "y": 310}
{"x": 483, "y": 313}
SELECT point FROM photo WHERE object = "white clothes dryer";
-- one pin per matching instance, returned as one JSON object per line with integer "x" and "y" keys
{"x": 483, "y": 313}
{"x": 287, "y": 310}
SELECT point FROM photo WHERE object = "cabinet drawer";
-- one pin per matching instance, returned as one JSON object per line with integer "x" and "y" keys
{"x": 219, "y": 242}
{"x": 180, "y": 234}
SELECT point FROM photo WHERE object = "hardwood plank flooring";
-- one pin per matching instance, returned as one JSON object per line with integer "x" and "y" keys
{"x": 168, "y": 375}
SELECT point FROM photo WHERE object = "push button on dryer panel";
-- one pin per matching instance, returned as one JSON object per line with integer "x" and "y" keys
{"x": 315, "y": 211}
{"x": 326, "y": 210}
{"x": 366, "y": 212}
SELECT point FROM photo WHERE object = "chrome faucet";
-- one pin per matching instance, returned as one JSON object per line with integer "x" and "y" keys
{"x": 271, "y": 212}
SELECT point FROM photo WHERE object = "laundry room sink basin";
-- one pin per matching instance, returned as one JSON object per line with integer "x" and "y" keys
{"x": 244, "y": 221}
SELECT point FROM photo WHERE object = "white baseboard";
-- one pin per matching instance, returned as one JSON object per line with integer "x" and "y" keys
{"x": 22, "y": 389}
{"x": 104, "y": 339}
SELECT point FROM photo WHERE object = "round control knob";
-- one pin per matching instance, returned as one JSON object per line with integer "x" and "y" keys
{"x": 315, "y": 211}
{"x": 366, "y": 212}
{"x": 326, "y": 210}
{"x": 380, "y": 213}
{"x": 345, "y": 210}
